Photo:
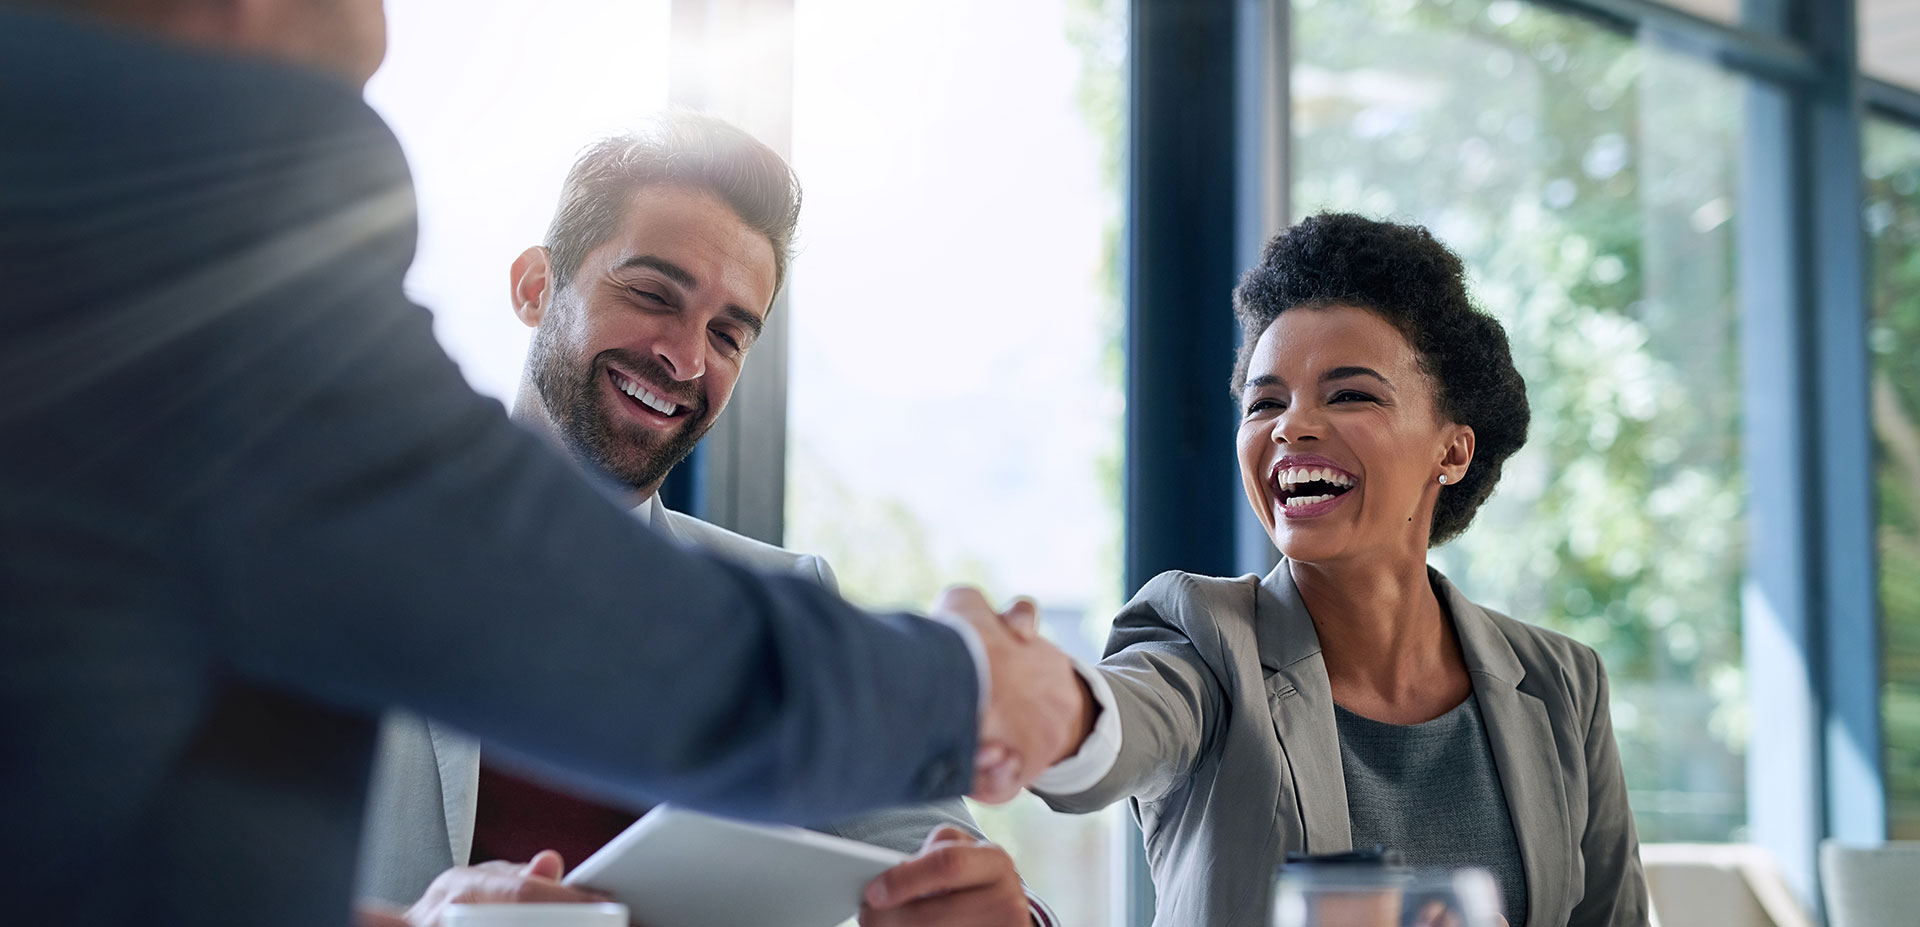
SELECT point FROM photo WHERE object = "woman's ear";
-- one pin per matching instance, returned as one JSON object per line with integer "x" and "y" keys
{"x": 531, "y": 285}
{"x": 1457, "y": 455}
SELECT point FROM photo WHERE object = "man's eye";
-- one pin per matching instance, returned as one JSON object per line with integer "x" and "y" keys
{"x": 648, "y": 295}
{"x": 732, "y": 343}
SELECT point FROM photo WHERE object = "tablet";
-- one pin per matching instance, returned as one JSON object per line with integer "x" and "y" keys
{"x": 678, "y": 868}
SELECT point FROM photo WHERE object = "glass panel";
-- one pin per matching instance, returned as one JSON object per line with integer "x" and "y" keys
{"x": 1589, "y": 183}
{"x": 491, "y": 106}
{"x": 955, "y": 382}
{"x": 1893, "y": 222}
{"x": 1890, "y": 40}
{"x": 1726, "y": 11}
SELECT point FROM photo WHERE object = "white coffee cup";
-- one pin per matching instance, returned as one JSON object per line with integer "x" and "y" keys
{"x": 605, "y": 914}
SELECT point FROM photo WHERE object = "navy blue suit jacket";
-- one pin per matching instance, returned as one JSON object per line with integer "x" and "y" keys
{"x": 246, "y": 503}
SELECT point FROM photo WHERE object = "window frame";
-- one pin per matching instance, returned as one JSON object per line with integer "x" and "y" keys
{"x": 1206, "y": 180}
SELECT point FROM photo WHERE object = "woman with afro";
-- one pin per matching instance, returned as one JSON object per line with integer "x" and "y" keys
{"x": 1353, "y": 697}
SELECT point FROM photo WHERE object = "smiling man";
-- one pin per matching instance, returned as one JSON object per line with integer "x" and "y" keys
{"x": 646, "y": 299}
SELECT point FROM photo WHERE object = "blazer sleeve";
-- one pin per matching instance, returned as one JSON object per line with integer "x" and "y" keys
{"x": 367, "y": 531}
{"x": 1616, "y": 887}
{"x": 1170, "y": 702}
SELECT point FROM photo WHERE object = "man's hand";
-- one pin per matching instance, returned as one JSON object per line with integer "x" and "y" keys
{"x": 955, "y": 880}
{"x": 368, "y": 915}
{"x": 497, "y": 882}
{"x": 1038, "y": 711}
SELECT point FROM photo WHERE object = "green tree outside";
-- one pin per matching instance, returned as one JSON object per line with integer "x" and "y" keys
{"x": 1893, "y": 222}
{"x": 1589, "y": 183}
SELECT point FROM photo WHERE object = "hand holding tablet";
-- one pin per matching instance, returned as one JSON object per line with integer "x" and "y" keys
{"x": 677, "y": 868}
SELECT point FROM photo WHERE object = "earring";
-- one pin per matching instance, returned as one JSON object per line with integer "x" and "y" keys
{"x": 1443, "y": 479}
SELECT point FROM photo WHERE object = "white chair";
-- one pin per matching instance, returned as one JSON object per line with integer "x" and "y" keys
{"x": 1871, "y": 886}
{"x": 1718, "y": 884}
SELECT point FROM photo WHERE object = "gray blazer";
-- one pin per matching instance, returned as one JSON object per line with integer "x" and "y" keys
{"x": 420, "y": 809}
{"x": 1226, "y": 712}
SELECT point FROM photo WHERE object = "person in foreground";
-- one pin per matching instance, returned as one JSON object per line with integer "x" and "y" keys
{"x": 656, "y": 275}
{"x": 1353, "y": 690}
{"x": 251, "y": 506}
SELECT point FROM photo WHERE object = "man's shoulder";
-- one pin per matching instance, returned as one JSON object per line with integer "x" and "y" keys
{"x": 743, "y": 550}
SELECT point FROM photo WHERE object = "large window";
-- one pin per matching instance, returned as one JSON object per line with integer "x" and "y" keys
{"x": 955, "y": 380}
{"x": 954, "y": 391}
{"x": 1589, "y": 183}
{"x": 492, "y": 104}
{"x": 1893, "y": 221}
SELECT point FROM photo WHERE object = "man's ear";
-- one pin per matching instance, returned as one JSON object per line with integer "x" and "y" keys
{"x": 532, "y": 285}
{"x": 1458, "y": 455}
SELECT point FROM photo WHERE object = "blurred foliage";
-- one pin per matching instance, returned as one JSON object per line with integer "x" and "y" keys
{"x": 1588, "y": 181}
{"x": 881, "y": 552}
{"x": 1893, "y": 222}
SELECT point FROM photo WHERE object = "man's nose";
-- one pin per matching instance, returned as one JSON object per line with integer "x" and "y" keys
{"x": 683, "y": 351}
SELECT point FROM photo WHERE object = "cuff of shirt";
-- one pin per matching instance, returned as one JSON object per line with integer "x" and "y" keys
{"x": 982, "y": 670}
{"x": 1097, "y": 754}
{"x": 1043, "y": 916}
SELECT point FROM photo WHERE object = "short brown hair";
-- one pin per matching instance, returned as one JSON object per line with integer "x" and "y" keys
{"x": 681, "y": 149}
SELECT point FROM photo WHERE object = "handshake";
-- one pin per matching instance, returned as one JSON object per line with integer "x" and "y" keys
{"x": 1038, "y": 709}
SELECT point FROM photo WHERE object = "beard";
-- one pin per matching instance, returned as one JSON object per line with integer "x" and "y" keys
{"x": 594, "y": 433}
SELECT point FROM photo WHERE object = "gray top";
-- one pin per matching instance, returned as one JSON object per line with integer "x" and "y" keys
{"x": 1431, "y": 791}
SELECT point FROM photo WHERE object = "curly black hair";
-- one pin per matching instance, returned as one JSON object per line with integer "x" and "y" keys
{"x": 1419, "y": 286}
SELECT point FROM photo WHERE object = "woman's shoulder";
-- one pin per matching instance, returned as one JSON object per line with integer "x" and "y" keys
{"x": 1544, "y": 644}
{"x": 1535, "y": 647}
{"x": 1199, "y": 596}
{"x": 1550, "y": 655}
{"x": 1197, "y": 605}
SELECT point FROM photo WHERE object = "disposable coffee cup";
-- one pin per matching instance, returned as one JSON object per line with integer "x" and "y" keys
{"x": 598, "y": 914}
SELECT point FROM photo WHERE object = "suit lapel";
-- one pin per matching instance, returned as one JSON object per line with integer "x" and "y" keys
{"x": 1301, "y": 700}
{"x": 458, "y": 759}
{"x": 1520, "y": 734}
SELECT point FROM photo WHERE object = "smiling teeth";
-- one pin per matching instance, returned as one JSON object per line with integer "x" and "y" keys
{"x": 1295, "y": 502}
{"x": 645, "y": 397}
{"x": 1295, "y": 476}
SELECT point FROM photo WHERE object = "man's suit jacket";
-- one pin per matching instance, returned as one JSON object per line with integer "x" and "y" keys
{"x": 420, "y": 810}
{"x": 1231, "y": 758}
{"x": 250, "y": 506}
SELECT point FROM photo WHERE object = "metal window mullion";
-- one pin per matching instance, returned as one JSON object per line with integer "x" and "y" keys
{"x": 1760, "y": 53}
{"x": 1810, "y": 610}
{"x": 737, "y": 477}
{"x": 1843, "y": 553}
{"x": 1892, "y": 101}
{"x": 1184, "y": 195}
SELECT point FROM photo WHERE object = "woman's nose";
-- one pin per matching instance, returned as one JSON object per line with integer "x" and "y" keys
{"x": 1295, "y": 425}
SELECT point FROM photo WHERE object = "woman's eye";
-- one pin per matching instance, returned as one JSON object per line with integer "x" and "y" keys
{"x": 1264, "y": 405}
{"x": 1347, "y": 395}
